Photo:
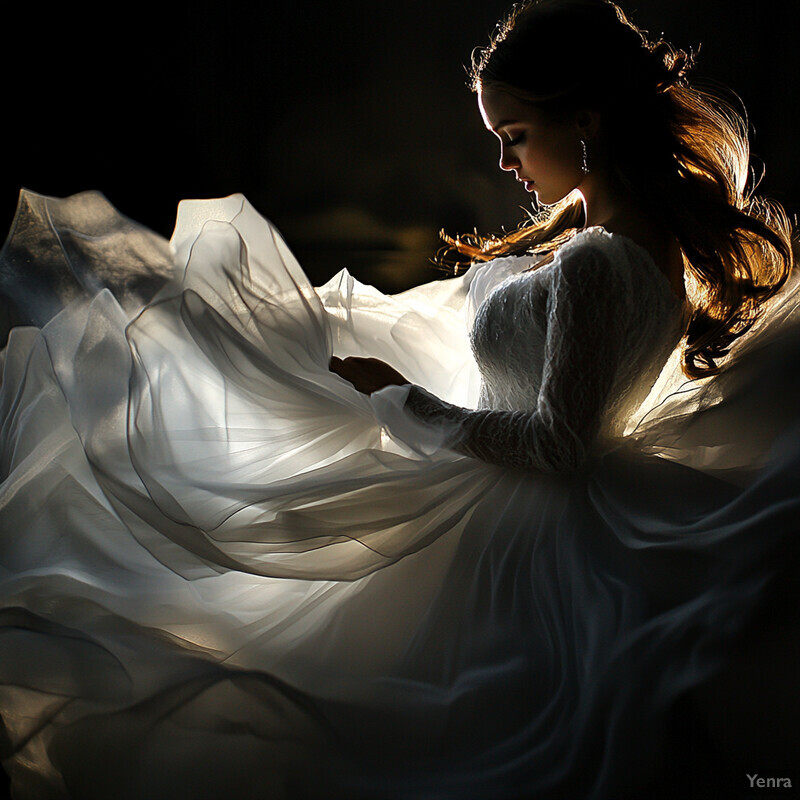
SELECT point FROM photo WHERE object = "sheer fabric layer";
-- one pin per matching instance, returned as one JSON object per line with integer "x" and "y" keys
{"x": 223, "y": 572}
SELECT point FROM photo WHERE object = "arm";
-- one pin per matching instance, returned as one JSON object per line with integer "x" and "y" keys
{"x": 589, "y": 310}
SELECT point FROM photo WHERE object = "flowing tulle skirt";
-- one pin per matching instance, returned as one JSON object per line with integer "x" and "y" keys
{"x": 220, "y": 577}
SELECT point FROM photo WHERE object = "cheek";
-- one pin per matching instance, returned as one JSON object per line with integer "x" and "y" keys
{"x": 553, "y": 157}
{"x": 535, "y": 157}
{"x": 565, "y": 161}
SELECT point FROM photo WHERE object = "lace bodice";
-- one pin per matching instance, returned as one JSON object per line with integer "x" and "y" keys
{"x": 567, "y": 352}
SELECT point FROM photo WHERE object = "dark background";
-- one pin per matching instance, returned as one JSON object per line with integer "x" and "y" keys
{"x": 348, "y": 123}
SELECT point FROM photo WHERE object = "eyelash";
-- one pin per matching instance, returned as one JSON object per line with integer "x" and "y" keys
{"x": 515, "y": 141}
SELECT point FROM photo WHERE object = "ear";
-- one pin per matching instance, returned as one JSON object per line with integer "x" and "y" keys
{"x": 587, "y": 122}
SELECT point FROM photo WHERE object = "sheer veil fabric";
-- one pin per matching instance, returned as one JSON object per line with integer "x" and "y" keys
{"x": 226, "y": 573}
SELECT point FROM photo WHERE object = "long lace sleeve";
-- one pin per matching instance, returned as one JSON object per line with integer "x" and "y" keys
{"x": 595, "y": 323}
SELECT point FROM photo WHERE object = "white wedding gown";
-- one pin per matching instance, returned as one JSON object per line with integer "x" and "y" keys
{"x": 224, "y": 573}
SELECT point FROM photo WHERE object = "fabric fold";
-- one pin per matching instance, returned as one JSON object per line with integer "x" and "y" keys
{"x": 225, "y": 572}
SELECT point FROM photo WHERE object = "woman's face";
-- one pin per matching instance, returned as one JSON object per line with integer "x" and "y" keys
{"x": 542, "y": 150}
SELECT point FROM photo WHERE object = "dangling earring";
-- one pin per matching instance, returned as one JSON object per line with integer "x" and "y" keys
{"x": 585, "y": 158}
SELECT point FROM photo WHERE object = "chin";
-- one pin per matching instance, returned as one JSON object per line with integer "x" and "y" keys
{"x": 544, "y": 198}
{"x": 549, "y": 199}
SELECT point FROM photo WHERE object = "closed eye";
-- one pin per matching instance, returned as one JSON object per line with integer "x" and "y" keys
{"x": 515, "y": 141}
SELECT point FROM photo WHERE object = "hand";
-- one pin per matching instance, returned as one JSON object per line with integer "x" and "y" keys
{"x": 367, "y": 374}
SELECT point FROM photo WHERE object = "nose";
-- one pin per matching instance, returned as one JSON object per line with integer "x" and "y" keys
{"x": 508, "y": 161}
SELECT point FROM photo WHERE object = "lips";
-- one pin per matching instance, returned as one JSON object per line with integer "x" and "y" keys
{"x": 528, "y": 184}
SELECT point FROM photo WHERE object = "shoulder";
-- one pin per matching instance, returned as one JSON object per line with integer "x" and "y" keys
{"x": 596, "y": 256}
{"x": 603, "y": 245}
{"x": 599, "y": 251}
{"x": 598, "y": 267}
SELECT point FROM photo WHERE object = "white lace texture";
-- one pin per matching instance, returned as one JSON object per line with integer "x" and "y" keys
{"x": 567, "y": 354}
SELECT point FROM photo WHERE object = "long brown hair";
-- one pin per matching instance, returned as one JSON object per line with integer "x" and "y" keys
{"x": 681, "y": 151}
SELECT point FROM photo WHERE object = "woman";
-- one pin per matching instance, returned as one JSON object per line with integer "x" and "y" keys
{"x": 228, "y": 572}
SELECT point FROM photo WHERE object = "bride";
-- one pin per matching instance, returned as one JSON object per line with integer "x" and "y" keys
{"x": 477, "y": 540}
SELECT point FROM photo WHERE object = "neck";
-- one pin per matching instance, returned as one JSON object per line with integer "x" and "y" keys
{"x": 604, "y": 199}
